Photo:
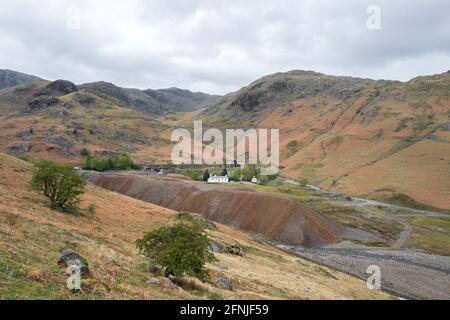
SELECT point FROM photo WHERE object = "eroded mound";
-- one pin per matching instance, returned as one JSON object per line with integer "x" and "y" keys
{"x": 276, "y": 217}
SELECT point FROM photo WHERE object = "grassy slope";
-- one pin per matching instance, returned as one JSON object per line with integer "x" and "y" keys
{"x": 32, "y": 235}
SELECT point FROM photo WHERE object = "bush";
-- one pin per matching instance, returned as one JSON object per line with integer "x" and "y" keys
{"x": 249, "y": 172}
{"x": 181, "y": 249}
{"x": 59, "y": 183}
{"x": 103, "y": 164}
{"x": 206, "y": 175}
{"x": 235, "y": 175}
{"x": 91, "y": 209}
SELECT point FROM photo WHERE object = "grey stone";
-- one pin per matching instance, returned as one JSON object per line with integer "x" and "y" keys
{"x": 71, "y": 258}
{"x": 225, "y": 283}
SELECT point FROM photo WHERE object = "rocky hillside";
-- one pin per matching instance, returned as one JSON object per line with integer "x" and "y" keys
{"x": 181, "y": 100}
{"x": 383, "y": 139}
{"x": 359, "y": 136}
{"x": 32, "y": 236}
{"x": 9, "y": 78}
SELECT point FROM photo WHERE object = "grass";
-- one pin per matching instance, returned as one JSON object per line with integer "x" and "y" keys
{"x": 32, "y": 236}
{"x": 403, "y": 200}
{"x": 431, "y": 235}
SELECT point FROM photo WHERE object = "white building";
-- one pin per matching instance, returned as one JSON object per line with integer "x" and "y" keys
{"x": 255, "y": 180}
{"x": 218, "y": 179}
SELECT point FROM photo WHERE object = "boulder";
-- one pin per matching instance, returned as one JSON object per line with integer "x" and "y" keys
{"x": 446, "y": 127}
{"x": 155, "y": 268}
{"x": 225, "y": 283}
{"x": 71, "y": 258}
{"x": 217, "y": 247}
{"x": 236, "y": 250}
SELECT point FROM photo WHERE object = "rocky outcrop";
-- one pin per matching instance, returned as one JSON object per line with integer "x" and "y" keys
{"x": 41, "y": 103}
{"x": 62, "y": 86}
{"x": 19, "y": 149}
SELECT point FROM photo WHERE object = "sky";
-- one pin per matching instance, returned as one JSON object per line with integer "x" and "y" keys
{"x": 219, "y": 46}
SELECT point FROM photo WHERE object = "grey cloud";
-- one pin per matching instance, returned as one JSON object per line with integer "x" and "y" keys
{"x": 218, "y": 46}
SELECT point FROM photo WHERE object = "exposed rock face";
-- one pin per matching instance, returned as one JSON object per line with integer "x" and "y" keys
{"x": 25, "y": 134}
{"x": 72, "y": 258}
{"x": 19, "y": 149}
{"x": 41, "y": 103}
{"x": 62, "y": 86}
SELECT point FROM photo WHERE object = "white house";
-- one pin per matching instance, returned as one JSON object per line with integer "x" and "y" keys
{"x": 218, "y": 179}
{"x": 255, "y": 180}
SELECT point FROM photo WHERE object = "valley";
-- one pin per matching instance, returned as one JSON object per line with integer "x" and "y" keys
{"x": 330, "y": 231}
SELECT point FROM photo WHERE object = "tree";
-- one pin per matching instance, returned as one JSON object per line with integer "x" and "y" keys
{"x": 58, "y": 182}
{"x": 224, "y": 172}
{"x": 249, "y": 172}
{"x": 206, "y": 175}
{"x": 181, "y": 249}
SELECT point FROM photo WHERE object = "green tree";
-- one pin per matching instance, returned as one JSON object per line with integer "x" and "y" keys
{"x": 249, "y": 172}
{"x": 181, "y": 249}
{"x": 59, "y": 183}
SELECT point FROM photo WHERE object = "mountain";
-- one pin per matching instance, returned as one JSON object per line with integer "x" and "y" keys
{"x": 132, "y": 98}
{"x": 155, "y": 102}
{"x": 9, "y": 78}
{"x": 384, "y": 139}
{"x": 181, "y": 100}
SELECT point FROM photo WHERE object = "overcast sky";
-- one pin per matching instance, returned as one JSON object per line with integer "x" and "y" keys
{"x": 219, "y": 46}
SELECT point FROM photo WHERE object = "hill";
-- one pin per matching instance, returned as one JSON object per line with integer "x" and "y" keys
{"x": 32, "y": 236}
{"x": 380, "y": 138}
{"x": 181, "y": 100}
{"x": 386, "y": 140}
{"x": 9, "y": 78}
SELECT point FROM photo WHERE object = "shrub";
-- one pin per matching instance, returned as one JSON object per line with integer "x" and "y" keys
{"x": 206, "y": 175}
{"x": 181, "y": 249}
{"x": 249, "y": 172}
{"x": 235, "y": 175}
{"x": 91, "y": 209}
{"x": 59, "y": 183}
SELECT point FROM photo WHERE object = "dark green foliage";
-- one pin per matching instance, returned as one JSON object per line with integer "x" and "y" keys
{"x": 224, "y": 172}
{"x": 181, "y": 249}
{"x": 103, "y": 164}
{"x": 59, "y": 183}
{"x": 235, "y": 175}
{"x": 249, "y": 172}
{"x": 206, "y": 175}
